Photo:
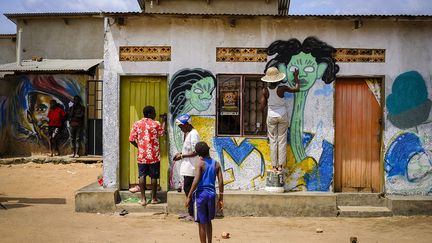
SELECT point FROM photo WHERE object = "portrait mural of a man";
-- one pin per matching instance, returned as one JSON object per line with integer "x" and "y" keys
{"x": 25, "y": 113}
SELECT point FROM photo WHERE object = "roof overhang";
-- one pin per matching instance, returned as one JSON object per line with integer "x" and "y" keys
{"x": 15, "y": 16}
{"x": 51, "y": 65}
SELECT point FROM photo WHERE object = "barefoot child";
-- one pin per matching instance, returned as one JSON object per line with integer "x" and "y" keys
{"x": 204, "y": 198}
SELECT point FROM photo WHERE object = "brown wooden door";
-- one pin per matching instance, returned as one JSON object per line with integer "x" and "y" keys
{"x": 357, "y": 137}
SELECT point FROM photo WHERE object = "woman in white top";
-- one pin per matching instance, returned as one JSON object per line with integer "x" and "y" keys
{"x": 277, "y": 114}
{"x": 188, "y": 156}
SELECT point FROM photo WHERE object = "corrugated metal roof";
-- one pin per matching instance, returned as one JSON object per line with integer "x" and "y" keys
{"x": 51, "y": 65}
{"x": 277, "y": 15}
{"x": 54, "y": 14}
{"x": 77, "y": 14}
{"x": 7, "y": 36}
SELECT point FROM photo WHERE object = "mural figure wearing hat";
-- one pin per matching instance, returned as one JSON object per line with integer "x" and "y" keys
{"x": 277, "y": 114}
{"x": 188, "y": 155}
{"x": 24, "y": 112}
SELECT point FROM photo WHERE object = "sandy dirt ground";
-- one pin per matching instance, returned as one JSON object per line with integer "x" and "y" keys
{"x": 40, "y": 202}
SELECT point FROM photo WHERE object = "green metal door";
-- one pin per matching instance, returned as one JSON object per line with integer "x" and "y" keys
{"x": 136, "y": 92}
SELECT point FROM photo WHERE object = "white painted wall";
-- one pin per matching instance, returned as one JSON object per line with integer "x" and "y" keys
{"x": 213, "y": 6}
{"x": 193, "y": 42}
{"x": 62, "y": 38}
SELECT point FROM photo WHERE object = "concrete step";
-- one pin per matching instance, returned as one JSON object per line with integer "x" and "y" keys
{"x": 124, "y": 195}
{"x": 364, "y": 211}
{"x": 361, "y": 199}
{"x": 410, "y": 205}
{"x": 151, "y": 209}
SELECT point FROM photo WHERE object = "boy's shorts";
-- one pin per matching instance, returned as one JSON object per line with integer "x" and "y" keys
{"x": 204, "y": 206}
{"x": 151, "y": 170}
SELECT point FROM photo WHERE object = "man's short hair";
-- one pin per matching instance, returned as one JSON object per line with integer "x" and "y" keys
{"x": 202, "y": 149}
{"x": 148, "y": 111}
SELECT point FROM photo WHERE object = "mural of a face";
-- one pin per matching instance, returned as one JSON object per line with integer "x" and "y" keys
{"x": 309, "y": 70}
{"x": 314, "y": 60}
{"x": 200, "y": 94}
{"x": 191, "y": 90}
{"x": 24, "y": 120}
{"x": 37, "y": 114}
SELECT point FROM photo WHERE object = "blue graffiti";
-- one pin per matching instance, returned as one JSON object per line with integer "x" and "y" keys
{"x": 408, "y": 104}
{"x": 327, "y": 90}
{"x": 237, "y": 152}
{"x": 320, "y": 179}
{"x": 307, "y": 137}
{"x": 400, "y": 152}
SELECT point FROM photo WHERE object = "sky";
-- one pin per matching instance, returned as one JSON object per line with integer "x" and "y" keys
{"x": 386, "y": 7}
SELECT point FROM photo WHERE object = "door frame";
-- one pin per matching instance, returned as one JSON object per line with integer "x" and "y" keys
{"x": 120, "y": 77}
{"x": 337, "y": 167}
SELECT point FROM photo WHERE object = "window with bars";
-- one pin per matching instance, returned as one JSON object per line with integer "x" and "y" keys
{"x": 94, "y": 101}
{"x": 238, "y": 111}
{"x": 94, "y": 117}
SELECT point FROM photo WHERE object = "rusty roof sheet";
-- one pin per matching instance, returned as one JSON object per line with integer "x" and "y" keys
{"x": 51, "y": 65}
{"x": 47, "y": 14}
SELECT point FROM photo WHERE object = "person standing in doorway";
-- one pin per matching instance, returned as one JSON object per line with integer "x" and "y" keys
{"x": 145, "y": 136}
{"x": 188, "y": 156}
{"x": 76, "y": 121}
{"x": 56, "y": 116}
{"x": 277, "y": 114}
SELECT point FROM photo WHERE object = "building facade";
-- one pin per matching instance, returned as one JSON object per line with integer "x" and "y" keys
{"x": 60, "y": 56}
{"x": 361, "y": 121}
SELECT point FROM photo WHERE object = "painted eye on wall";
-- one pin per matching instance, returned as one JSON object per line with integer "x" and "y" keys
{"x": 41, "y": 108}
{"x": 309, "y": 69}
{"x": 198, "y": 91}
{"x": 293, "y": 68}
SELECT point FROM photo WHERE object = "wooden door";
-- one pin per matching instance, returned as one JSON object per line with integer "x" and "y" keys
{"x": 136, "y": 93}
{"x": 357, "y": 137}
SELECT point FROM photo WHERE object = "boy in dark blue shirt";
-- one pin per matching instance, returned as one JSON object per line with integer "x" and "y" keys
{"x": 204, "y": 198}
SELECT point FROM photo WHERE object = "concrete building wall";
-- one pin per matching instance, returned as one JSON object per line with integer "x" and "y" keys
{"x": 7, "y": 49}
{"x": 406, "y": 148}
{"x": 62, "y": 38}
{"x": 256, "y": 7}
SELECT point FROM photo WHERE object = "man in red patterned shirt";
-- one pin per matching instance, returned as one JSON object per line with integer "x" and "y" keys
{"x": 144, "y": 135}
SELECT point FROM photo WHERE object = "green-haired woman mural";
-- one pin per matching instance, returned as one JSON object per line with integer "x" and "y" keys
{"x": 190, "y": 89}
{"x": 314, "y": 60}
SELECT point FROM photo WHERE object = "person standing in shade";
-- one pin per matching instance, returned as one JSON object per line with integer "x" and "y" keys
{"x": 56, "y": 116}
{"x": 76, "y": 121}
{"x": 277, "y": 114}
{"x": 188, "y": 156}
{"x": 145, "y": 136}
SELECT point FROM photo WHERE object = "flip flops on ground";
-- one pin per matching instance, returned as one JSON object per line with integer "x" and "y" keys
{"x": 135, "y": 189}
{"x": 123, "y": 212}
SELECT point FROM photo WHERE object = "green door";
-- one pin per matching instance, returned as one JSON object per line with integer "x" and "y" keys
{"x": 136, "y": 92}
